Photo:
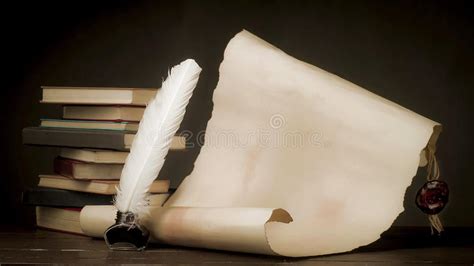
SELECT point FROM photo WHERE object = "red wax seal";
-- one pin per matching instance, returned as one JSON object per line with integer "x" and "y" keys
{"x": 432, "y": 197}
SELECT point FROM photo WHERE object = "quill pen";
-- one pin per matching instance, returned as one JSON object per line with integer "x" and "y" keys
{"x": 160, "y": 121}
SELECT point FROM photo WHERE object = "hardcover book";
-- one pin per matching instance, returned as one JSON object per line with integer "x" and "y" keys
{"x": 103, "y": 112}
{"x": 83, "y": 170}
{"x": 89, "y": 124}
{"x": 52, "y": 197}
{"x": 41, "y": 196}
{"x": 59, "y": 219}
{"x": 97, "y": 95}
{"x": 94, "y": 155}
{"x": 105, "y": 187}
{"x": 87, "y": 138}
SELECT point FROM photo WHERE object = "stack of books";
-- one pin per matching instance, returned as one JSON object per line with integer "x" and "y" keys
{"x": 95, "y": 136}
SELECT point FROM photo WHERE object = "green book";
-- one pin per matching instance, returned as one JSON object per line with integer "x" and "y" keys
{"x": 87, "y": 138}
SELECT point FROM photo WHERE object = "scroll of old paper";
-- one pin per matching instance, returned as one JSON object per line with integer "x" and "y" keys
{"x": 296, "y": 161}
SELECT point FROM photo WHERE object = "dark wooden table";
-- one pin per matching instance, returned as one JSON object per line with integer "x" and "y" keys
{"x": 394, "y": 248}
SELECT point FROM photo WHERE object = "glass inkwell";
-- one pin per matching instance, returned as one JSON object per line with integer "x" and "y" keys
{"x": 126, "y": 233}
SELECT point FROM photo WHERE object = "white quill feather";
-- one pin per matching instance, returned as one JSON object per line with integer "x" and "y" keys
{"x": 160, "y": 121}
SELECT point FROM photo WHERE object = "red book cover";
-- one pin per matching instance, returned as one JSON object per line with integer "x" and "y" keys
{"x": 65, "y": 167}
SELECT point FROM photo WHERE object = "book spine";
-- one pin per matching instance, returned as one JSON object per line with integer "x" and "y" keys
{"x": 63, "y": 198}
{"x": 63, "y": 167}
{"x": 80, "y": 138}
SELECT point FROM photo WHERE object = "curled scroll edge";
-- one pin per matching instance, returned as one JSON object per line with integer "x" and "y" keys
{"x": 342, "y": 191}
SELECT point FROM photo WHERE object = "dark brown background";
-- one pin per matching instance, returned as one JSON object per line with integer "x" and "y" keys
{"x": 415, "y": 53}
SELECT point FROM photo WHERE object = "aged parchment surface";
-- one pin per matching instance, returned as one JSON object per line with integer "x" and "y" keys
{"x": 296, "y": 161}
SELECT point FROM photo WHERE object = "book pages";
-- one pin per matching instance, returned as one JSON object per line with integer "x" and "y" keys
{"x": 333, "y": 158}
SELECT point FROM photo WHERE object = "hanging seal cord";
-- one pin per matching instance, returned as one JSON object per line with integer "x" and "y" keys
{"x": 433, "y": 174}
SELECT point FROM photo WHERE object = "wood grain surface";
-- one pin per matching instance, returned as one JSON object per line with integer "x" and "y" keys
{"x": 396, "y": 247}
